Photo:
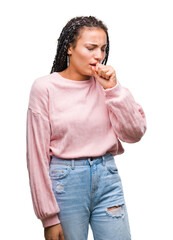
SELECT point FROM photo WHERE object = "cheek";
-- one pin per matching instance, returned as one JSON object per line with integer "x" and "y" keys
{"x": 85, "y": 55}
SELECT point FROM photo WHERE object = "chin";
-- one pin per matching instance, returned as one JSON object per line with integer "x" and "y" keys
{"x": 90, "y": 73}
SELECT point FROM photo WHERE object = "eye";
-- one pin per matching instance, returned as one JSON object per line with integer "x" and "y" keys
{"x": 90, "y": 49}
{"x": 104, "y": 50}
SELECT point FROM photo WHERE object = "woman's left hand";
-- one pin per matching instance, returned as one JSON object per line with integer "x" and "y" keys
{"x": 105, "y": 75}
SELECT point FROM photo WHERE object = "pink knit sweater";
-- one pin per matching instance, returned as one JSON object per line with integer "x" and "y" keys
{"x": 71, "y": 119}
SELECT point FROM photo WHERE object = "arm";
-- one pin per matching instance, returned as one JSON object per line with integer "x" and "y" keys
{"x": 38, "y": 140}
{"x": 127, "y": 117}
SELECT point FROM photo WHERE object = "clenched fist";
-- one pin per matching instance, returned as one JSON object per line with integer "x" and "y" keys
{"x": 105, "y": 75}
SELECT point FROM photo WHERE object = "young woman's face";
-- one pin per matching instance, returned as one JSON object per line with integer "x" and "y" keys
{"x": 90, "y": 49}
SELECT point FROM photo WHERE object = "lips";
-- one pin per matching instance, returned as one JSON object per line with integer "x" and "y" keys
{"x": 93, "y": 64}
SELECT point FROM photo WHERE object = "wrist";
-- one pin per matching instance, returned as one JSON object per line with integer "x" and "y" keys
{"x": 113, "y": 85}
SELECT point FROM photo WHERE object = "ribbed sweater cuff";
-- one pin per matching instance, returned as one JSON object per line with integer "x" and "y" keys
{"x": 50, "y": 221}
{"x": 112, "y": 90}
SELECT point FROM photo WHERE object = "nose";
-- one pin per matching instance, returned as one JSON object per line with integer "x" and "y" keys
{"x": 99, "y": 55}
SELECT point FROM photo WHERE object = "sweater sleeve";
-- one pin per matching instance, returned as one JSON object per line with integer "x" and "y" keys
{"x": 127, "y": 117}
{"x": 38, "y": 140}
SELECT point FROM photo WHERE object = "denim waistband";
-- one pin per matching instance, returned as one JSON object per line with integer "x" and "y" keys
{"x": 81, "y": 160}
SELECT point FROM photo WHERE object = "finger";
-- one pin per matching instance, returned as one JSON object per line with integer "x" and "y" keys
{"x": 98, "y": 67}
{"x": 62, "y": 236}
{"x": 109, "y": 74}
{"x": 106, "y": 73}
{"x": 102, "y": 66}
{"x": 103, "y": 73}
{"x": 93, "y": 68}
{"x": 94, "y": 71}
{"x": 99, "y": 71}
{"x": 102, "y": 69}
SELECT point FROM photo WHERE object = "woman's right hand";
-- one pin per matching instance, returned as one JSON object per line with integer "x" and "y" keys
{"x": 54, "y": 232}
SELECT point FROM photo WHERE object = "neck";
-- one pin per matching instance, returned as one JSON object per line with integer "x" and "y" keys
{"x": 73, "y": 75}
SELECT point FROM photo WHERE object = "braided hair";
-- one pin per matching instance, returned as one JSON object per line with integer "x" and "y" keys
{"x": 69, "y": 36}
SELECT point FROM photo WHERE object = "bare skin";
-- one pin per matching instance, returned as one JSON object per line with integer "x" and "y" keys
{"x": 105, "y": 75}
{"x": 54, "y": 232}
{"x": 110, "y": 208}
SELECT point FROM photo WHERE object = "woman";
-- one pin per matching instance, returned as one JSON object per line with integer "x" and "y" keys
{"x": 76, "y": 117}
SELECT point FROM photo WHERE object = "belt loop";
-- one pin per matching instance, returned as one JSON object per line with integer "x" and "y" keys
{"x": 104, "y": 162}
{"x": 72, "y": 164}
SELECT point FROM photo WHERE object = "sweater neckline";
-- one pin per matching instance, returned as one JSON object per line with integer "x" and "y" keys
{"x": 74, "y": 81}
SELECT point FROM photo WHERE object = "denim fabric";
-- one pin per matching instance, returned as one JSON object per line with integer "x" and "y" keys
{"x": 84, "y": 189}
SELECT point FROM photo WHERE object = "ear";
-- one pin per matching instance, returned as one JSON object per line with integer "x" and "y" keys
{"x": 69, "y": 51}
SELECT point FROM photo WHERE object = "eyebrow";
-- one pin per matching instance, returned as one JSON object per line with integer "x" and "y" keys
{"x": 93, "y": 44}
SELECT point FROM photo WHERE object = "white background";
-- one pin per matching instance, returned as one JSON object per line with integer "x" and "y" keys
{"x": 141, "y": 52}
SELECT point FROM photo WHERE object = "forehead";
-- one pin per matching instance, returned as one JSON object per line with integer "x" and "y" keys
{"x": 94, "y": 35}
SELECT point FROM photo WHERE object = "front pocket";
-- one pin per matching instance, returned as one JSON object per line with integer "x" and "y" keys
{"x": 112, "y": 169}
{"x": 111, "y": 166}
{"x": 59, "y": 173}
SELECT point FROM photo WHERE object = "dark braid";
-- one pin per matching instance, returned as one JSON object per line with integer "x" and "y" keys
{"x": 69, "y": 35}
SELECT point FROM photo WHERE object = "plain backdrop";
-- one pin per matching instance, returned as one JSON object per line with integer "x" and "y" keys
{"x": 141, "y": 52}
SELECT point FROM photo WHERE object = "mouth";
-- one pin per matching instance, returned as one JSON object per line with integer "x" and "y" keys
{"x": 93, "y": 64}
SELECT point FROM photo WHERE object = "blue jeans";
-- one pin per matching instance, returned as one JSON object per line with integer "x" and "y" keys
{"x": 84, "y": 190}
